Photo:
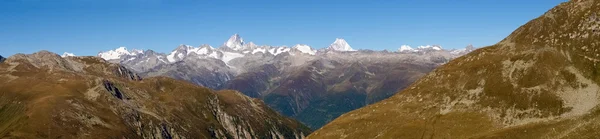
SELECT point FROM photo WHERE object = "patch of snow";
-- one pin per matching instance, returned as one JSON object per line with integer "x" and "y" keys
{"x": 228, "y": 56}
{"x": 272, "y": 50}
{"x": 171, "y": 57}
{"x": 432, "y": 47}
{"x": 281, "y": 50}
{"x": 180, "y": 55}
{"x": 130, "y": 59}
{"x": 160, "y": 58}
{"x": 136, "y": 51}
{"x": 199, "y": 51}
{"x": 263, "y": 50}
{"x": 202, "y": 51}
{"x": 214, "y": 55}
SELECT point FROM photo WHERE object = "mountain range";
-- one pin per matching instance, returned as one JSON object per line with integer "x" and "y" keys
{"x": 542, "y": 81}
{"x": 313, "y": 86}
{"x": 44, "y": 95}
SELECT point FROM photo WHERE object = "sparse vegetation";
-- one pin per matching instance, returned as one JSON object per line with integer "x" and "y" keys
{"x": 539, "y": 82}
{"x": 64, "y": 102}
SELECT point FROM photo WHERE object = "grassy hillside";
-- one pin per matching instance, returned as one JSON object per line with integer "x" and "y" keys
{"x": 539, "y": 82}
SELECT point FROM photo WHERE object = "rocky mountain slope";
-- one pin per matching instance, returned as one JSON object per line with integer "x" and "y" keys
{"x": 313, "y": 86}
{"x": 539, "y": 82}
{"x": 45, "y": 96}
{"x": 324, "y": 88}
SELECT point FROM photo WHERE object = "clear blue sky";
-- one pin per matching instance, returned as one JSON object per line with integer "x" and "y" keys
{"x": 85, "y": 27}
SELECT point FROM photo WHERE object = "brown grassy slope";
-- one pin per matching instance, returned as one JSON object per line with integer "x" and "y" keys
{"x": 66, "y": 98}
{"x": 540, "y": 82}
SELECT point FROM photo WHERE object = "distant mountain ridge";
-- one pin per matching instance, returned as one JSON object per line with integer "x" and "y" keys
{"x": 297, "y": 81}
{"x": 235, "y": 47}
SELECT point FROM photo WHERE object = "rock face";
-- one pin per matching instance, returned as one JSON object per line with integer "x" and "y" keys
{"x": 2, "y": 59}
{"x": 209, "y": 73}
{"x": 539, "y": 82}
{"x": 43, "y": 95}
{"x": 299, "y": 81}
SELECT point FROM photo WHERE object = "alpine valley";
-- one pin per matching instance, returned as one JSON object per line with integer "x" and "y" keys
{"x": 312, "y": 86}
{"x": 542, "y": 81}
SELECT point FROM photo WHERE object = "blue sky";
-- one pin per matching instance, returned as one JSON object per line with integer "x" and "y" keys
{"x": 86, "y": 27}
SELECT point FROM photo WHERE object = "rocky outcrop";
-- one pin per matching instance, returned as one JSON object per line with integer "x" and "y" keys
{"x": 110, "y": 87}
{"x": 241, "y": 127}
{"x": 126, "y": 73}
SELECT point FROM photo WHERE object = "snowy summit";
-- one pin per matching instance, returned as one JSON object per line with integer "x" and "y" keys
{"x": 340, "y": 45}
{"x": 67, "y": 54}
{"x": 235, "y": 42}
{"x": 406, "y": 48}
{"x": 305, "y": 49}
{"x": 118, "y": 53}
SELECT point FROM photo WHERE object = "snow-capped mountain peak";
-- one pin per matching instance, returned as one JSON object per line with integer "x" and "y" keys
{"x": 235, "y": 42}
{"x": 340, "y": 45}
{"x": 67, "y": 54}
{"x": 406, "y": 48}
{"x": 305, "y": 49}
{"x": 184, "y": 47}
{"x": 118, "y": 53}
{"x": 430, "y": 47}
{"x": 202, "y": 50}
{"x": 470, "y": 47}
{"x": 250, "y": 45}
{"x": 179, "y": 53}
{"x": 465, "y": 50}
